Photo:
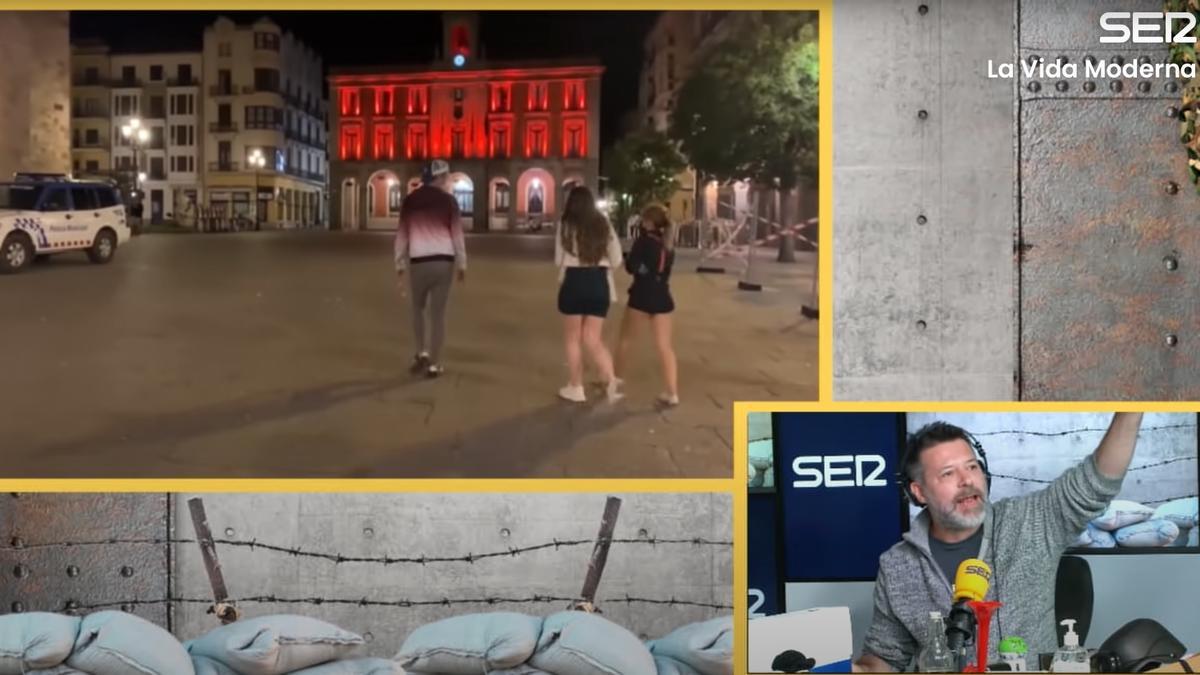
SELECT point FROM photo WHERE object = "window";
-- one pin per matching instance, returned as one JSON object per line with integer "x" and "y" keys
{"x": 418, "y": 101}
{"x": 183, "y": 104}
{"x": 75, "y": 138}
{"x": 183, "y": 74}
{"x": 224, "y": 82}
{"x": 85, "y": 198}
{"x": 93, "y": 166}
{"x": 458, "y": 94}
{"x": 573, "y": 96}
{"x": 574, "y": 138}
{"x": 91, "y": 107}
{"x": 500, "y": 146}
{"x": 225, "y": 49}
{"x": 75, "y": 166}
{"x": 536, "y": 139}
{"x": 266, "y": 79}
{"x": 263, "y": 117}
{"x": 127, "y": 105}
{"x": 458, "y": 143}
{"x": 128, "y": 75}
{"x": 351, "y": 105}
{"x": 156, "y": 169}
{"x": 351, "y": 145}
{"x": 383, "y": 102}
{"x": 503, "y": 200}
{"x": 538, "y": 96}
{"x": 91, "y": 75}
{"x": 56, "y": 199}
{"x": 92, "y": 137}
{"x": 269, "y": 41}
{"x": 535, "y": 198}
{"x": 417, "y": 148}
{"x": 156, "y": 73}
{"x": 384, "y": 141}
{"x": 156, "y": 137}
{"x": 395, "y": 197}
{"x": 501, "y": 98}
{"x": 157, "y": 107}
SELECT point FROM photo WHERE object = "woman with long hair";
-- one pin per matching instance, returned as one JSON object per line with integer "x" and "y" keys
{"x": 650, "y": 300}
{"x": 586, "y": 249}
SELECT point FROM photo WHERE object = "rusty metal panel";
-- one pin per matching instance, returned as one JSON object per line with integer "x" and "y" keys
{"x": 1109, "y": 251}
{"x": 85, "y": 552}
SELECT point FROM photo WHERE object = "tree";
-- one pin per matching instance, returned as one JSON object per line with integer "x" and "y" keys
{"x": 749, "y": 111}
{"x": 642, "y": 169}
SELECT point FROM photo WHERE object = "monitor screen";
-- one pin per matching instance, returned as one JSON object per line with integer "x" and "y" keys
{"x": 1157, "y": 506}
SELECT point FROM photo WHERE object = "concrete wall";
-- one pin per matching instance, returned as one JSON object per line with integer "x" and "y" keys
{"x": 35, "y": 93}
{"x": 923, "y": 311}
{"x": 454, "y": 525}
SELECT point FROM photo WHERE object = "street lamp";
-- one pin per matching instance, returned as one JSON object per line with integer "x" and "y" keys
{"x": 258, "y": 161}
{"x": 136, "y": 135}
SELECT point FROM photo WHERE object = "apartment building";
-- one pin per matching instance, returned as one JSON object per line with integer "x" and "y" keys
{"x": 34, "y": 93}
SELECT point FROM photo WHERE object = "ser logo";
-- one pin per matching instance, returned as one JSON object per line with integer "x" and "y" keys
{"x": 1147, "y": 27}
{"x": 839, "y": 471}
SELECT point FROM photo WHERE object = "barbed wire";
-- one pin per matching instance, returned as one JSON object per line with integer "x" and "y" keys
{"x": 400, "y": 603}
{"x": 340, "y": 558}
{"x": 1068, "y": 432}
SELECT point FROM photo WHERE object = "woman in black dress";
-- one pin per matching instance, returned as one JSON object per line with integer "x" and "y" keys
{"x": 650, "y": 299}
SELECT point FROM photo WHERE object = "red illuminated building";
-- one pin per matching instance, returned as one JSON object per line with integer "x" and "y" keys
{"x": 517, "y": 136}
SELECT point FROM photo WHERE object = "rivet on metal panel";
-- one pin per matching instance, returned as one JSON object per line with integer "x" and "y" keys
{"x": 1172, "y": 340}
{"x": 72, "y": 571}
{"x": 921, "y": 325}
{"x": 1144, "y": 87}
{"x": 1089, "y": 87}
{"x": 127, "y": 571}
{"x": 1119, "y": 60}
{"x": 17, "y": 542}
{"x": 1061, "y": 86}
{"x": 923, "y": 10}
{"x": 1172, "y": 87}
{"x": 505, "y": 532}
{"x": 368, "y": 532}
{"x": 127, "y": 607}
{"x": 368, "y": 637}
{"x": 20, "y": 571}
{"x": 229, "y": 532}
{"x": 18, "y": 607}
{"x": 1035, "y": 87}
{"x": 1171, "y": 187}
{"x": 1090, "y": 60}
{"x": 1116, "y": 85}
{"x": 71, "y": 605}
{"x": 1171, "y": 263}
{"x": 922, "y": 114}
{"x": 643, "y": 534}
{"x": 1172, "y": 112}
{"x": 1062, "y": 60}
{"x": 921, "y": 220}
{"x": 1032, "y": 60}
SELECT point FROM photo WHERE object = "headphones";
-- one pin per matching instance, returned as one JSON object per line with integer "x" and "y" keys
{"x": 915, "y": 440}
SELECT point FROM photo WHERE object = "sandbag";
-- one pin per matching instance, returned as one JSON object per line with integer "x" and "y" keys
{"x": 274, "y": 645}
{"x": 34, "y": 640}
{"x": 118, "y": 643}
{"x": 207, "y": 666}
{"x": 355, "y": 667}
{"x": 519, "y": 670}
{"x": 1122, "y": 513}
{"x": 471, "y": 644}
{"x": 706, "y": 647}
{"x": 58, "y": 670}
{"x": 1094, "y": 537}
{"x": 1185, "y": 513}
{"x": 577, "y": 643}
{"x": 1148, "y": 534}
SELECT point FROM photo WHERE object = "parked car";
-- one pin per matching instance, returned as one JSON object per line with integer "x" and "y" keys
{"x": 43, "y": 214}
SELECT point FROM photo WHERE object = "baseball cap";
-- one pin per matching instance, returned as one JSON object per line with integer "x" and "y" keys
{"x": 438, "y": 167}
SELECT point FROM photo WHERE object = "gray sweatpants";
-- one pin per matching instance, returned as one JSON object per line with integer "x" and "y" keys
{"x": 430, "y": 280}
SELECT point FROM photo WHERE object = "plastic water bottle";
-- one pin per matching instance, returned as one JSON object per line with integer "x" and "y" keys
{"x": 935, "y": 656}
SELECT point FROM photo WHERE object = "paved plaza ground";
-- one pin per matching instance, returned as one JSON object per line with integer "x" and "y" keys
{"x": 286, "y": 355}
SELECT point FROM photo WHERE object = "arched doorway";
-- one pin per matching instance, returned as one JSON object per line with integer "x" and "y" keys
{"x": 349, "y": 214}
{"x": 535, "y": 198}
{"x": 463, "y": 189}
{"x": 500, "y": 205}
{"x": 383, "y": 200}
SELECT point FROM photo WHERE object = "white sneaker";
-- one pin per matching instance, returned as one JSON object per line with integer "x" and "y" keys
{"x": 574, "y": 394}
{"x": 669, "y": 400}
{"x": 614, "y": 390}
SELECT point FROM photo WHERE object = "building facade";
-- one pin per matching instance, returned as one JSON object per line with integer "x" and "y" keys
{"x": 264, "y": 98}
{"x": 249, "y": 91}
{"x": 517, "y": 136}
{"x": 35, "y": 88}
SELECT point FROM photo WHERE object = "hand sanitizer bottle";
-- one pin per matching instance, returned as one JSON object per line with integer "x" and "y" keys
{"x": 1071, "y": 657}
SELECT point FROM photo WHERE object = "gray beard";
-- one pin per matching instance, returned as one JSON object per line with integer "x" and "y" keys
{"x": 955, "y": 522}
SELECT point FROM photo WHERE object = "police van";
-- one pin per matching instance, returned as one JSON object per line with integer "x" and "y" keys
{"x": 42, "y": 214}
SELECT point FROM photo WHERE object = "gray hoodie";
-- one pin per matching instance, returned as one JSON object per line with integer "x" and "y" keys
{"x": 1023, "y": 538}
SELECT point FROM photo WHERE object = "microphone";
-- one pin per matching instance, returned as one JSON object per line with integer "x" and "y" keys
{"x": 970, "y": 583}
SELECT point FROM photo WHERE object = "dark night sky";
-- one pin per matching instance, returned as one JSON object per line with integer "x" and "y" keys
{"x": 350, "y": 38}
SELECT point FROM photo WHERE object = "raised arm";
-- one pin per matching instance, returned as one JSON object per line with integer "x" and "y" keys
{"x": 1116, "y": 449}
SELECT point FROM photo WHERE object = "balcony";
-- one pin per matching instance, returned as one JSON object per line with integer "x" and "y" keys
{"x": 264, "y": 126}
{"x": 89, "y": 113}
{"x": 124, "y": 83}
{"x": 85, "y": 145}
{"x": 222, "y": 167}
{"x": 254, "y": 89}
{"x": 223, "y": 127}
{"x": 88, "y": 82}
{"x": 218, "y": 90}
{"x": 185, "y": 82}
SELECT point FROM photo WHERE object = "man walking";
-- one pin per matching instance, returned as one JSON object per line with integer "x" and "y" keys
{"x": 429, "y": 246}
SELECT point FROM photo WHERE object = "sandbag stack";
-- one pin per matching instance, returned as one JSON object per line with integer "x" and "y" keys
{"x": 1130, "y": 524}
{"x": 104, "y": 643}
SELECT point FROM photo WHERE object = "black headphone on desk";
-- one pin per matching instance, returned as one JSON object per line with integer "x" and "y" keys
{"x": 951, "y": 432}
